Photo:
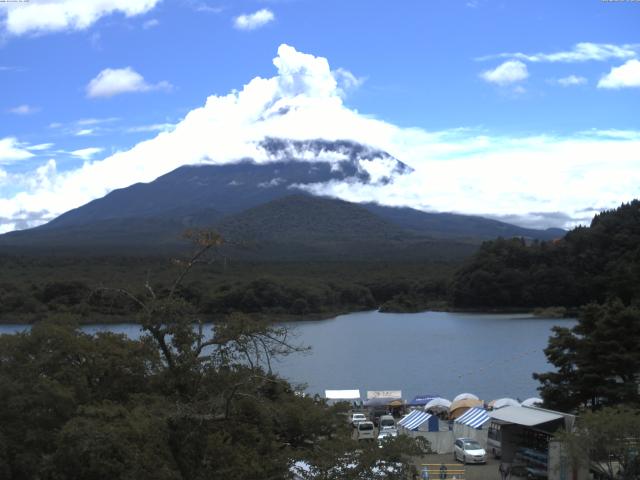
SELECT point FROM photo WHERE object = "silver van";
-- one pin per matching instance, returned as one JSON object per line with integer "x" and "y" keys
{"x": 365, "y": 431}
{"x": 386, "y": 421}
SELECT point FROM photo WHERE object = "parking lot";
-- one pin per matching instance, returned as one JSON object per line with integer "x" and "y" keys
{"x": 488, "y": 471}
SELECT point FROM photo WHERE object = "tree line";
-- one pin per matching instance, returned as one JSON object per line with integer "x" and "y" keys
{"x": 179, "y": 403}
{"x": 590, "y": 264}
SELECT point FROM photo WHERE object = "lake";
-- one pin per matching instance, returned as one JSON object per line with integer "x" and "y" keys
{"x": 441, "y": 353}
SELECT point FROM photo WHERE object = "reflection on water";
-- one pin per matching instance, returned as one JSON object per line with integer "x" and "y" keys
{"x": 431, "y": 352}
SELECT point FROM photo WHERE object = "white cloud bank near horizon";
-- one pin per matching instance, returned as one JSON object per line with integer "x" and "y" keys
{"x": 539, "y": 181}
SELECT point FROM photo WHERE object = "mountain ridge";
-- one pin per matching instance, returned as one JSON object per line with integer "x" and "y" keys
{"x": 245, "y": 197}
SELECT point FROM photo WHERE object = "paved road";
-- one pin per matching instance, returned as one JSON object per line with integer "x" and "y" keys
{"x": 488, "y": 471}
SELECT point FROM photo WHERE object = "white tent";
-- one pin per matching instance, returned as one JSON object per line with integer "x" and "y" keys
{"x": 503, "y": 402}
{"x": 531, "y": 402}
{"x": 437, "y": 403}
{"x": 465, "y": 396}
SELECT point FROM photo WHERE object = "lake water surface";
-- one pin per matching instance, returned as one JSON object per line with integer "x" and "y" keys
{"x": 440, "y": 353}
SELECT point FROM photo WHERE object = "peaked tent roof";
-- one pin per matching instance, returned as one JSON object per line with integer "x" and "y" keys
{"x": 438, "y": 402}
{"x": 414, "y": 419}
{"x": 474, "y": 417}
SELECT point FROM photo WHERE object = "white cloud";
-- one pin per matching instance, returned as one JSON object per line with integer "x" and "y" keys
{"x": 24, "y": 110}
{"x": 115, "y": 81}
{"x": 614, "y": 133}
{"x": 624, "y": 76}
{"x": 59, "y": 15}
{"x": 581, "y": 52}
{"x": 571, "y": 80}
{"x": 40, "y": 147}
{"x": 254, "y": 20}
{"x": 511, "y": 71}
{"x": 11, "y": 151}
{"x": 346, "y": 80}
{"x": 86, "y": 153}
{"x": 155, "y": 127}
{"x": 461, "y": 170}
{"x": 150, "y": 23}
{"x": 96, "y": 121}
{"x": 84, "y": 132}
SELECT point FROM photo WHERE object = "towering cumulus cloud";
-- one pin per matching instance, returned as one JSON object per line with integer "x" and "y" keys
{"x": 455, "y": 170}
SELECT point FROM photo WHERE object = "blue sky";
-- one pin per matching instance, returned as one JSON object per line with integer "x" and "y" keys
{"x": 519, "y": 110}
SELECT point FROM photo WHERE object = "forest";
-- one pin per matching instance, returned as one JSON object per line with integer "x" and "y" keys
{"x": 34, "y": 287}
{"x": 590, "y": 264}
{"x": 179, "y": 403}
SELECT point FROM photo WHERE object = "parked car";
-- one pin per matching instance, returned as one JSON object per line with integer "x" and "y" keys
{"x": 386, "y": 421}
{"x": 467, "y": 450}
{"x": 385, "y": 433}
{"x": 365, "y": 430}
{"x": 356, "y": 418}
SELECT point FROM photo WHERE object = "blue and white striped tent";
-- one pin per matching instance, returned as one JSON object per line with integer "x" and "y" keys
{"x": 417, "y": 418}
{"x": 474, "y": 417}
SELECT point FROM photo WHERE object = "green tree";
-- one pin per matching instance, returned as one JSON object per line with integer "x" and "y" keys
{"x": 597, "y": 361}
{"x": 610, "y": 439}
{"x": 184, "y": 402}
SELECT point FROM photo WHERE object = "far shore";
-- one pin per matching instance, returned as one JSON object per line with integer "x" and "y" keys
{"x": 97, "y": 319}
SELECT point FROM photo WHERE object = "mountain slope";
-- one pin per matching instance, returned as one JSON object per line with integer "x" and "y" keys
{"x": 453, "y": 225}
{"x": 235, "y": 187}
{"x": 266, "y": 203}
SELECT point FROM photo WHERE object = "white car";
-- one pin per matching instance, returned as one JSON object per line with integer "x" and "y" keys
{"x": 365, "y": 431}
{"x": 356, "y": 418}
{"x": 385, "y": 433}
{"x": 467, "y": 450}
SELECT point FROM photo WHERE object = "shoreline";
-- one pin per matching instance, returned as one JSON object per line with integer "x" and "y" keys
{"x": 102, "y": 319}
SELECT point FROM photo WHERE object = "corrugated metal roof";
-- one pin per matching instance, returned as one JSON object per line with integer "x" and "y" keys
{"x": 526, "y": 416}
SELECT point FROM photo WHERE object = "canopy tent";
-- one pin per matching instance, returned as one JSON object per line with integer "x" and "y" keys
{"x": 474, "y": 417}
{"x": 465, "y": 396}
{"x": 503, "y": 402}
{"x": 459, "y": 407}
{"x": 337, "y": 395}
{"x": 421, "y": 400}
{"x": 531, "y": 402}
{"x": 438, "y": 403}
{"x": 417, "y": 419}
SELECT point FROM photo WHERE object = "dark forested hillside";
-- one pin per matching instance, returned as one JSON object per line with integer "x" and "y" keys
{"x": 589, "y": 264}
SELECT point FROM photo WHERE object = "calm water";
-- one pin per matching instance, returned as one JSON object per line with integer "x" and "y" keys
{"x": 431, "y": 352}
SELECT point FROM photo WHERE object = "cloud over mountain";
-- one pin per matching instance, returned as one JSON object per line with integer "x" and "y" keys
{"x": 462, "y": 170}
